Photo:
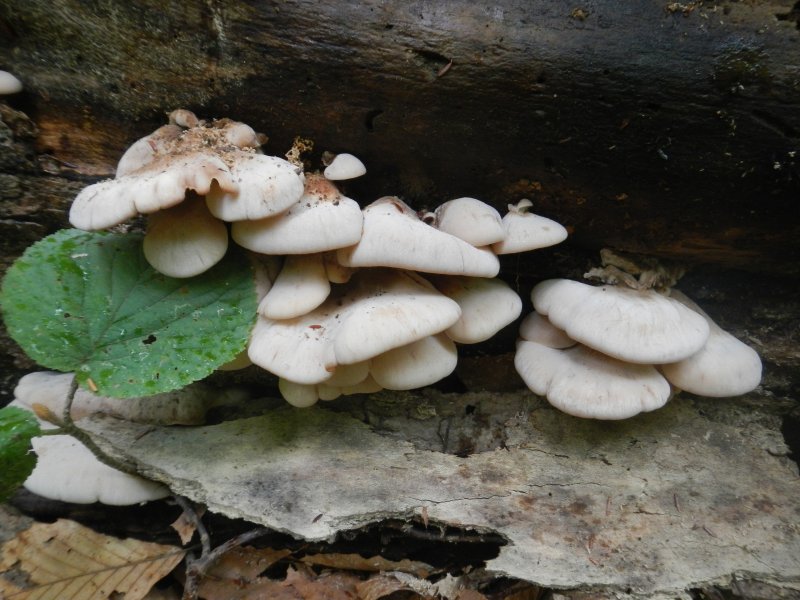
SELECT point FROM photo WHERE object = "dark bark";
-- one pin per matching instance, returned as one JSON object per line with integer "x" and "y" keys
{"x": 665, "y": 128}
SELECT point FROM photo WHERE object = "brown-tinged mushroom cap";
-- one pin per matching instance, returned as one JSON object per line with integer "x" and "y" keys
{"x": 527, "y": 231}
{"x": 265, "y": 186}
{"x": 724, "y": 366}
{"x": 160, "y": 184}
{"x": 631, "y": 325}
{"x": 586, "y": 383}
{"x": 145, "y": 150}
{"x": 184, "y": 240}
{"x": 471, "y": 220}
{"x": 378, "y": 310}
{"x": 394, "y": 236}
{"x": 487, "y": 305}
{"x": 323, "y": 219}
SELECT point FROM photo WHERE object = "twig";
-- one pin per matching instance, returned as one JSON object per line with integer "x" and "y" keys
{"x": 191, "y": 513}
{"x": 196, "y": 569}
{"x": 68, "y": 427}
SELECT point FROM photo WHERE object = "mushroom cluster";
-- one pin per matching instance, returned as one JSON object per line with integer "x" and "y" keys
{"x": 612, "y": 351}
{"x": 351, "y": 300}
{"x": 384, "y": 311}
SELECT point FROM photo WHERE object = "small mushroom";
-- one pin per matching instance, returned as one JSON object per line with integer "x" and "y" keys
{"x": 471, "y": 220}
{"x": 724, "y": 366}
{"x": 639, "y": 326}
{"x": 9, "y": 84}
{"x": 323, "y": 219}
{"x": 299, "y": 395}
{"x": 526, "y": 231}
{"x": 344, "y": 166}
{"x": 301, "y": 286}
{"x": 394, "y": 236}
{"x": 586, "y": 383}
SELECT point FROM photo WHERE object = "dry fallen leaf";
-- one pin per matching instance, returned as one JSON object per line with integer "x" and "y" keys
{"x": 375, "y": 564}
{"x": 67, "y": 561}
{"x": 186, "y": 524}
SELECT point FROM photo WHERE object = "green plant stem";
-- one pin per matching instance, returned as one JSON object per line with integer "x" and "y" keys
{"x": 68, "y": 427}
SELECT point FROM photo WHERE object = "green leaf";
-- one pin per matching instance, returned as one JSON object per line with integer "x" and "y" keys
{"x": 17, "y": 427}
{"x": 90, "y": 303}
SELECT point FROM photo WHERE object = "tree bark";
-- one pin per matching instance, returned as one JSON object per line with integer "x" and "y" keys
{"x": 664, "y": 128}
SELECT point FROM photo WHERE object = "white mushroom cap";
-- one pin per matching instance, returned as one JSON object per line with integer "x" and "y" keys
{"x": 344, "y": 166}
{"x": 527, "y": 231}
{"x": 240, "y": 361}
{"x": 301, "y": 286}
{"x": 323, "y": 219}
{"x": 349, "y": 375}
{"x": 636, "y": 326}
{"x": 67, "y": 471}
{"x": 160, "y": 184}
{"x": 267, "y": 186}
{"x": 298, "y": 394}
{"x": 378, "y": 310}
{"x": 145, "y": 150}
{"x": 539, "y": 329}
{"x": 724, "y": 366}
{"x": 487, "y": 305}
{"x": 415, "y": 365}
{"x": 327, "y": 391}
{"x": 184, "y": 240}
{"x": 185, "y": 406}
{"x": 586, "y": 383}
{"x": 470, "y": 220}
{"x": 9, "y": 84}
{"x": 395, "y": 237}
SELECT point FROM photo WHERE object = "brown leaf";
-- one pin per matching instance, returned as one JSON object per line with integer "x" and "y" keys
{"x": 67, "y": 561}
{"x": 186, "y": 524}
{"x": 376, "y": 564}
{"x": 327, "y": 586}
{"x": 380, "y": 586}
{"x": 245, "y": 562}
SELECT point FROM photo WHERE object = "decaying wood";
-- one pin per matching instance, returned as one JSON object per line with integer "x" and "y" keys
{"x": 666, "y": 128}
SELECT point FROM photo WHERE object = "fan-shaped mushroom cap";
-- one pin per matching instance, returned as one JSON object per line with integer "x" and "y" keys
{"x": 724, "y": 366}
{"x": 527, "y": 231}
{"x": 301, "y": 286}
{"x": 470, "y": 220}
{"x": 145, "y": 150}
{"x": 635, "y": 326}
{"x": 160, "y": 184}
{"x": 378, "y": 310}
{"x": 184, "y": 240}
{"x": 185, "y": 406}
{"x": 536, "y": 328}
{"x": 415, "y": 365}
{"x": 585, "y": 383}
{"x": 266, "y": 186}
{"x": 344, "y": 166}
{"x": 394, "y": 236}
{"x": 323, "y": 219}
{"x": 67, "y": 471}
{"x": 487, "y": 305}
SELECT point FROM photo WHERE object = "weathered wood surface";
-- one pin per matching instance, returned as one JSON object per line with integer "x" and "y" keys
{"x": 667, "y": 128}
{"x": 697, "y": 493}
